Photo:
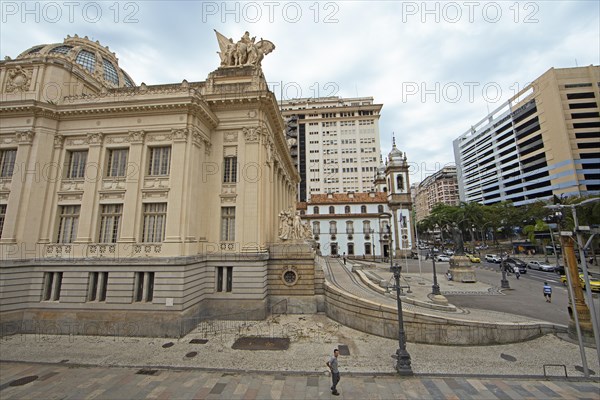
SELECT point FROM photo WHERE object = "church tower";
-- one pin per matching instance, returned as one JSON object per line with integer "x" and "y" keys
{"x": 399, "y": 200}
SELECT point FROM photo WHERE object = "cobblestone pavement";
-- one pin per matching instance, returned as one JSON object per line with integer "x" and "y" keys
{"x": 53, "y": 381}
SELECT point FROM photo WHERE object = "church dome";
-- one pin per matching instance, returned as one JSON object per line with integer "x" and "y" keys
{"x": 91, "y": 57}
{"x": 396, "y": 157}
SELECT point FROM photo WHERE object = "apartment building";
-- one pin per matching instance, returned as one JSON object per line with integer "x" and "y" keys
{"x": 440, "y": 187}
{"x": 335, "y": 143}
{"x": 544, "y": 141}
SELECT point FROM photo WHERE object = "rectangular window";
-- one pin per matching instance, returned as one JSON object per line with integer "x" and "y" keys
{"x": 110, "y": 221}
{"x": 51, "y": 286}
{"x": 155, "y": 216}
{"x": 76, "y": 164}
{"x": 143, "y": 287}
{"x": 2, "y": 216}
{"x": 67, "y": 226}
{"x": 230, "y": 170}
{"x": 117, "y": 162}
{"x": 227, "y": 224}
{"x": 7, "y": 162}
{"x": 160, "y": 160}
{"x": 97, "y": 285}
{"x": 224, "y": 279}
{"x": 368, "y": 249}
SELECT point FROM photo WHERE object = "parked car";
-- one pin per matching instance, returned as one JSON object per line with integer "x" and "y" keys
{"x": 540, "y": 266}
{"x": 594, "y": 283}
{"x": 513, "y": 263}
{"x": 493, "y": 258}
{"x": 442, "y": 258}
{"x": 449, "y": 252}
{"x": 474, "y": 259}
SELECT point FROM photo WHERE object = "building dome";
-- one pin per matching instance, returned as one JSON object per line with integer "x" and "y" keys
{"x": 92, "y": 58}
{"x": 396, "y": 157}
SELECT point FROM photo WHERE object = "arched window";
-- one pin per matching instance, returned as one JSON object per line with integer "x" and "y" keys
{"x": 367, "y": 228}
{"x": 315, "y": 210}
{"x": 332, "y": 227}
{"x": 331, "y": 210}
{"x": 399, "y": 183}
{"x": 316, "y": 228}
{"x": 349, "y": 227}
{"x": 363, "y": 209}
{"x": 380, "y": 208}
{"x": 347, "y": 209}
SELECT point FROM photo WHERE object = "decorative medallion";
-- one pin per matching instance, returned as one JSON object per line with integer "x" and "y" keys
{"x": 136, "y": 136}
{"x": 290, "y": 276}
{"x": 94, "y": 139}
{"x": 19, "y": 80}
{"x": 25, "y": 137}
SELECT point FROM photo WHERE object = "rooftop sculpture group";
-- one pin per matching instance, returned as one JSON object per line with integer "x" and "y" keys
{"x": 245, "y": 52}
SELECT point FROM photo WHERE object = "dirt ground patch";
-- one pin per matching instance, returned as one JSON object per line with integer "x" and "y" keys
{"x": 261, "y": 343}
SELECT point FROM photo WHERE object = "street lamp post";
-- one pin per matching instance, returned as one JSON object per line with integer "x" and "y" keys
{"x": 435, "y": 288}
{"x": 402, "y": 357}
{"x": 504, "y": 282}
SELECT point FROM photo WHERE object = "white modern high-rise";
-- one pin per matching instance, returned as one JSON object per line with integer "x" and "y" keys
{"x": 544, "y": 141}
{"x": 337, "y": 143}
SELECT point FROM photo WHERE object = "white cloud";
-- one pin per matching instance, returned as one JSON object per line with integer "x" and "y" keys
{"x": 374, "y": 49}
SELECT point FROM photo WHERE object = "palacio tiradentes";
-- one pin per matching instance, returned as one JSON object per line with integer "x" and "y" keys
{"x": 143, "y": 209}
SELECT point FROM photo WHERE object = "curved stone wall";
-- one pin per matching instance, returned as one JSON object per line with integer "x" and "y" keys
{"x": 382, "y": 320}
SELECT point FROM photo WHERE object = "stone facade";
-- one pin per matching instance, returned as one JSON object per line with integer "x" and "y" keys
{"x": 140, "y": 203}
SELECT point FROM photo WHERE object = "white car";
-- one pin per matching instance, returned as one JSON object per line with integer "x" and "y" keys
{"x": 540, "y": 266}
{"x": 442, "y": 258}
{"x": 493, "y": 258}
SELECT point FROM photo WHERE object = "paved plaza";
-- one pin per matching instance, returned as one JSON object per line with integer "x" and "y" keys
{"x": 204, "y": 364}
{"x": 67, "y": 382}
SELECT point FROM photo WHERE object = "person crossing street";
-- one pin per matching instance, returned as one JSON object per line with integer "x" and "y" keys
{"x": 548, "y": 292}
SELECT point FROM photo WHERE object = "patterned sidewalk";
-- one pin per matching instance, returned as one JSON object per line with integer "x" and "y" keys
{"x": 56, "y": 381}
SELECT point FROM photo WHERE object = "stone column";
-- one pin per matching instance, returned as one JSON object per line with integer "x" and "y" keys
{"x": 130, "y": 230}
{"x": 54, "y": 178}
{"x": 92, "y": 179}
{"x": 177, "y": 189}
{"x": 249, "y": 210}
{"x": 21, "y": 178}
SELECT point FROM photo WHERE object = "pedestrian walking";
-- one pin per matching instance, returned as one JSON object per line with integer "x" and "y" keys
{"x": 548, "y": 292}
{"x": 335, "y": 373}
{"x": 344, "y": 258}
{"x": 517, "y": 272}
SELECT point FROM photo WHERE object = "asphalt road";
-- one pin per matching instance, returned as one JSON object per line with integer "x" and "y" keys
{"x": 525, "y": 296}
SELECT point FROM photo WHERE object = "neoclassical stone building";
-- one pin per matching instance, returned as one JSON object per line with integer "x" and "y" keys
{"x": 152, "y": 204}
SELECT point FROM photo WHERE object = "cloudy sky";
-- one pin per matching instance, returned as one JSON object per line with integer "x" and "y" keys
{"x": 437, "y": 67}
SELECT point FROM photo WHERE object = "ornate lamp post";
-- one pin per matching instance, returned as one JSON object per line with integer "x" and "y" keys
{"x": 503, "y": 282}
{"x": 435, "y": 288}
{"x": 402, "y": 357}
